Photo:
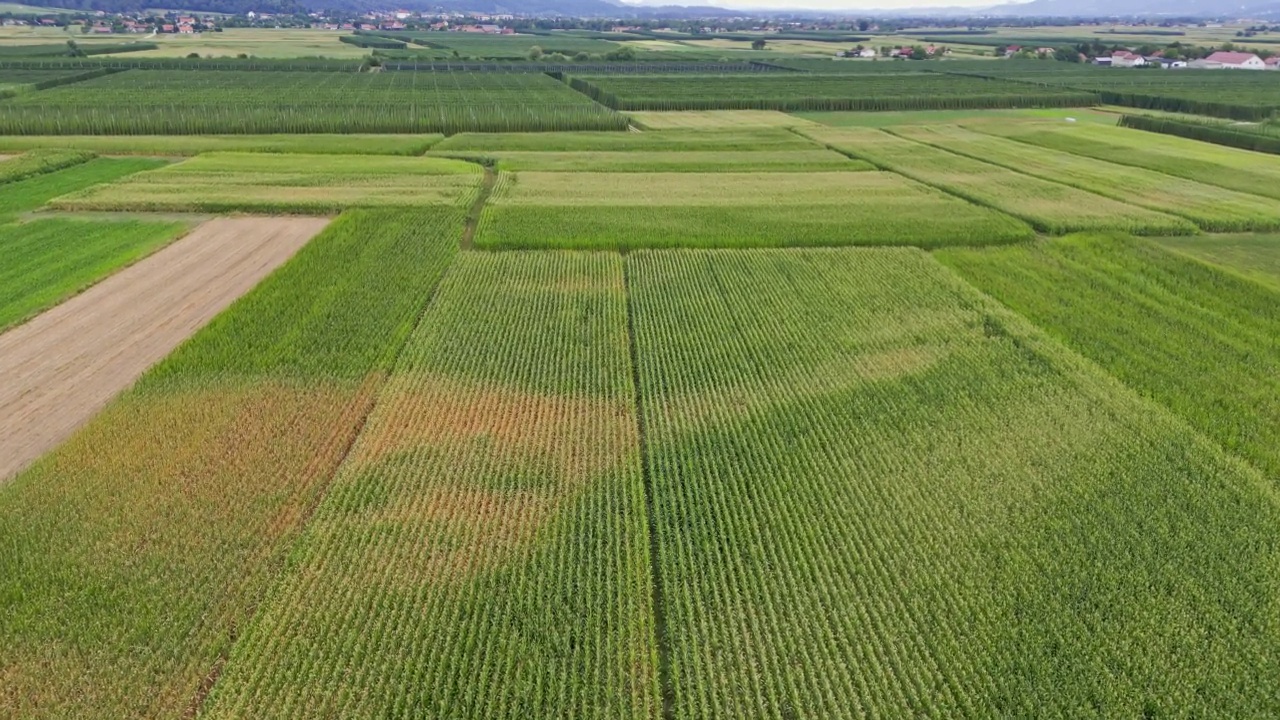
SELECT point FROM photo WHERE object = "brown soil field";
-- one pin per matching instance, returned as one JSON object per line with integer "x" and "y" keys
{"x": 63, "y": 366}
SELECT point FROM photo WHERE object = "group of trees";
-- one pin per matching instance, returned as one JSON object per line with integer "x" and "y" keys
{"x": 622, "y": 54}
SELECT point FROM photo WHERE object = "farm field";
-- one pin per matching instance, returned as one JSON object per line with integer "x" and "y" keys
{"x": 186, "y": 145}
{"x": 1256, "y": 256}
{"x": 1200, "y": 341}
{"x": 872, "y": 434}
{"x": 538, "y": 210}
{"x": 47, "y": 261}
{"x": 328, "y": 401}
{"x": 873, "y": 91}
{"x": 60, "y": 365}
{"x": 696, "y": 161}
{"x": 179, "y": 102}
{"x": 1210, "y": 207}
{"x": 497, "y": 484}
{"x": 29, "y": 194}
{"x": 1049, "y": 206}
{"x": 254, "y": 414}
{"x": 286, "y": 183}
{"x": 1240, "y": 170}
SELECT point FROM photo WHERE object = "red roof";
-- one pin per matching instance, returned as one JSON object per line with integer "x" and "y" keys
{"x": 1231, "y": 58}
{"x": 1125, "y": 55}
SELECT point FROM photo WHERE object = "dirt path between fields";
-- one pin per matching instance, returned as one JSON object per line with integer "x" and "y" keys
{"x": 61, "y": 367}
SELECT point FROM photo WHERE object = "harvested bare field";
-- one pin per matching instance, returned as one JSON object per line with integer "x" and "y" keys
{"x": 64, "y": 365}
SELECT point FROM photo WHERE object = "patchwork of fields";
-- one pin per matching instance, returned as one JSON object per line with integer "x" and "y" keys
{"x": 740, "y": 415}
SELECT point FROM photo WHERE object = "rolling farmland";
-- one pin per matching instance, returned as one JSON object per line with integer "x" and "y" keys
{"x": 414, "y": 385}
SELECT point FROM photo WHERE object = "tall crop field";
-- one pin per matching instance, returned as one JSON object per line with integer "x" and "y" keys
{"x": 1050, "y": 207}
{"x": 47, "y": 261}
{"x": 484, "y": 550}
{"x": 133, "y": 556}
{"x": 1240, "y": 170}
{"x": 1208, "y": 206}
{"x": 182, "y": 102}
{"x": 287, "y": 183}
{"x": 315, "y": 144}
{"x": 879, "y": 494}
{"x": 795, "y": 91}
{"x": 1201, "y": 341}
{"x": 635, "y": 210}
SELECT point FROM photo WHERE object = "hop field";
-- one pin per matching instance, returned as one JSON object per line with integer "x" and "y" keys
{"x": 879, "y": 494}
{"x": 636, "y": 210}
{"x": 1049, "y": 206}
{"x": 286, "y": 183}
{"x": 182, "y": 145}
{"x": 793, "y": 91}
{"x": 1211, "y": 208}
{"x": 178, "y": 102}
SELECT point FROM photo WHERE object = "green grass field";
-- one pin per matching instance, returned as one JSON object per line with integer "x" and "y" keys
{"x": 615, "y": 211}
{"x": 695, "y": 161}
{"x": 925, "y": 117}
{"x": 33, "y": 193}
{"x": 47, "y": 261}
{"x": 768, "y": 138}
{"x": 285, "y": 183}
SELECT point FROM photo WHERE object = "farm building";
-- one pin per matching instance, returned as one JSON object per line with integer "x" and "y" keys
{"x": 1125, "y": 58}
{"x": 1236, "y": 61}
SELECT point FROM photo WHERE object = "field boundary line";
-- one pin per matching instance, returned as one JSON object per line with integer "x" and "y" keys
{"x": 472, "y": 223}
{"x": 667, "y": 692}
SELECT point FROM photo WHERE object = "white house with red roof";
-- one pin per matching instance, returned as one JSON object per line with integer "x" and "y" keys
{"x": 1236, "y": 61}
{"x": 1124, "y": 58}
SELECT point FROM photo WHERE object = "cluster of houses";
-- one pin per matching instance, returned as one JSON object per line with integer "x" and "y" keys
{"x": 451, "y": 22}
{"x": 1222, "y": 60}
{"x": 893, "y": 52}
{"x": 102, "y": 24}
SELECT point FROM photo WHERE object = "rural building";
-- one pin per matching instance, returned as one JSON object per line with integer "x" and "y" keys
{"x": 1125, "y": 58}
{"x": 1272, "y": 62}
{"x": 1236, "y": 61}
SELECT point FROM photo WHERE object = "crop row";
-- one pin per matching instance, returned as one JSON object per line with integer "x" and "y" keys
{"x": 483, "y": 551}
{"x": 178, "y": 102}
{"x": 40, "y": 161}
{"x": 1257, "y": 138}
{"x": 879, "y": 494}
{"x": 1201, "y": 341}
{"x": 794, "y": 91}
{"x": 1050, "y": 207}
